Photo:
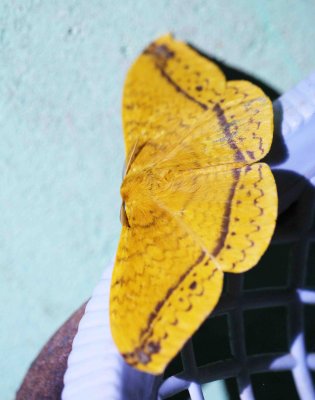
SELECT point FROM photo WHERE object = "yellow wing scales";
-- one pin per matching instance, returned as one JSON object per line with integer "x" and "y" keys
{"x": 188, "y": 107}
{"x": 157, "y": 292}
{"x": 231, "y": 211}
{"x": 148, "y": 102}
{"x": 252, "y": 219}
{"x": 195, "y": 205}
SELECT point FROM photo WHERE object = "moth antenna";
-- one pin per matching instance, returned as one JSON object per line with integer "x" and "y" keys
{"x": 130, "y": 159}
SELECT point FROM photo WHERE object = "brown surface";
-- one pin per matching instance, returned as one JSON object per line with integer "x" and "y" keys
{"x": 44, "y": 379}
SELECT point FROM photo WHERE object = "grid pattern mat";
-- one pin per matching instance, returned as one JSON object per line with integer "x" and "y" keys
{"x": 295, "y": 234}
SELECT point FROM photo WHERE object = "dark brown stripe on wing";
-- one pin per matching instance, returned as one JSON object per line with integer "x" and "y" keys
{"x": 180, "y": 90}
{"x": 161, "y": 54}
{"x": 227, "y": 214}
{"x": 143, "y": 353}
{"x": 161, "y": 303}
{"x": 238, "y": 155}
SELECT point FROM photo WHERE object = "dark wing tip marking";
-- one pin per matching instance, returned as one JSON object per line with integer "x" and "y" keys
{"x": 143, "y": 354}
{"x": 161, "y": 52}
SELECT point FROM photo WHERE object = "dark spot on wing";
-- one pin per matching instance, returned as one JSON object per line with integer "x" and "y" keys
{"x": 250, "y": 154}
{"x": 193, "y": 285}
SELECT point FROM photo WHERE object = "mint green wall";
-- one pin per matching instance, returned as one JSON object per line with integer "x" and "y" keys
{"x": 62, "y": 66}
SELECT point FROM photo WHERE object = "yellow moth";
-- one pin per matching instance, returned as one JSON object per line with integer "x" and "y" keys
{"x": 196, "y": 203}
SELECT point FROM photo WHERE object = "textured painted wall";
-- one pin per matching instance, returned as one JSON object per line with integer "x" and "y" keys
{"x": 62, "y": 66}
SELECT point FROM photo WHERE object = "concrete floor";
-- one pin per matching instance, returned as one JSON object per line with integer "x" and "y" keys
{"x": 61, "y": 149}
